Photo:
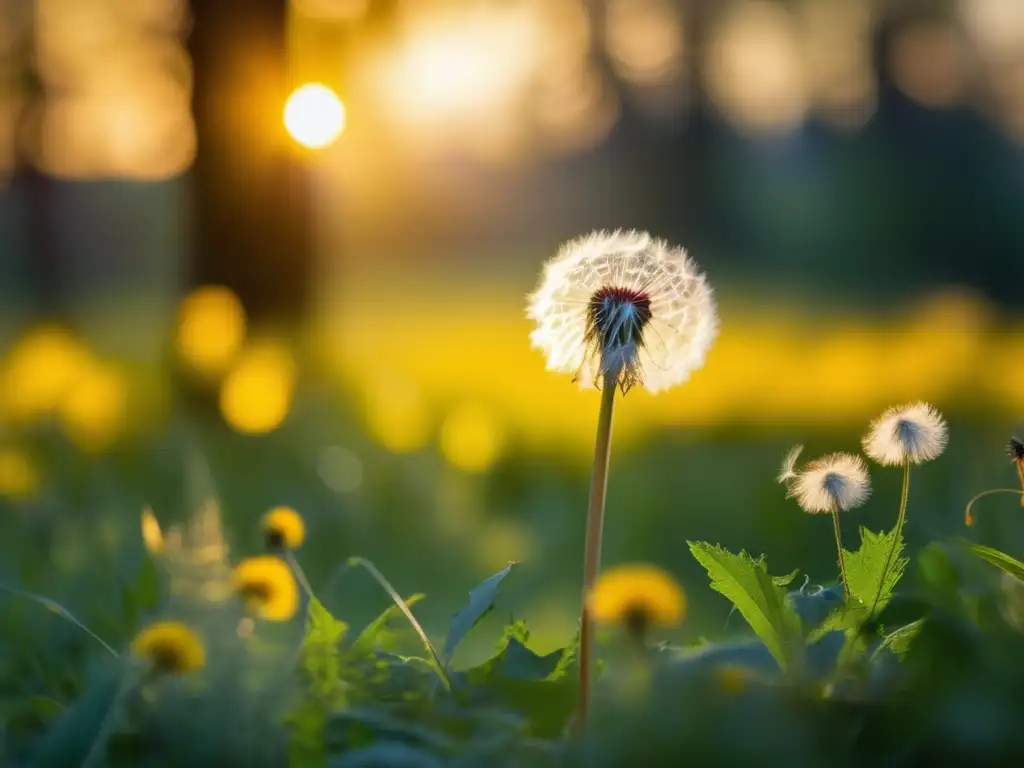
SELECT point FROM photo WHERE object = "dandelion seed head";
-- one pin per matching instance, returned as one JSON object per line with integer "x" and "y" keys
{"x": 625, "y": 304}
{"x": 788, "y": 470}
{"x": 912, "y": 433}
{"x": 839, "y": 480}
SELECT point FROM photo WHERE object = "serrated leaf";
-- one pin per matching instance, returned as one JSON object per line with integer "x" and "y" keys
{"x": 321, "y": 652}
{"x": 1001, "y": 560}
{"x": 371, "y": 638}
{"x": 899, "y": 640}
{"x": 321, "y": 663}
{"x": 746, "y": 583}
{"x": 864, "y": 568}
{"x": 785, "y": 581}
{"x": 481, "y": 602}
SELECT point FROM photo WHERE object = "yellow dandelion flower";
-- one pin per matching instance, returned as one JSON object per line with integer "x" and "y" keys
{"x": 731, "y": 678}
{"x": 152, "y": 536}
{"x": 637, "y": 595}
{"x": 171, "y": 647}
{"x": 266, "y": 585}
{"x": 284, "y": 528}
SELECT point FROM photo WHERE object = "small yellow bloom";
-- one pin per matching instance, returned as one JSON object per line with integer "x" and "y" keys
{"x": 266, "y": 585}
{"x": 171, "y": 647}
{"x": 19, "y": 478}
{"x": 284, "y": 528}
{"x": 152, "y": 536}
{"x": 637, "y": 595}
{"x": 731, "y": 678}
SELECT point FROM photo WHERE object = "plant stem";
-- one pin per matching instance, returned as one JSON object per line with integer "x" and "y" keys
{"x": 300, "y": 575}
{"x": 404, "y": 608}
{"x": 900, "y": 520}
{"x": 592, "y": 552}
{"x": 839, "y": 549}
{"x": 969, "y": 515}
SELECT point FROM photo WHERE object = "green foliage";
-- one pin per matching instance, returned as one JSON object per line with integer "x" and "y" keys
{"x": 866, "y": 572}
{"x": 1000, "y": 560}
{"x": 758, "y": 598}
{"x": 481, "y": 602}
{"x": 321, "y": 667}
{"x": 380, "y": 634}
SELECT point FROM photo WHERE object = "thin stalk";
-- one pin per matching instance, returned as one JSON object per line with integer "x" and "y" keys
{"x": 969, "y": 515}
{"x": 404, "y": 607}
{"x": 839, "y": 549}
{"x": 300, "y": 575}
{"x": 900, "y": 520}
{"x": 60, "y": 610}
{"x": 592, "y": 551}
{"x": 131, "y": 682}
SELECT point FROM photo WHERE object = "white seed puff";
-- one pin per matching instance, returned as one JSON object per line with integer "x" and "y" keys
{"x": 912, "y": 433}
{"x": 838, "y": 481}
{"x": 626, "y": 304}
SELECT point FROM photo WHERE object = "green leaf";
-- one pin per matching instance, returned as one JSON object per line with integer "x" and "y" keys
{"x": 321, "y": 651}
{"x": 321, "y": 663}
{"x": 865, "y": 566}
{"x": 899, "y": 640}
{"x": 481, "y": 602}
{"x": 1001, "y": 560}
{"x": 746, "y": 583}
{"x": 378, "y": 634}
{"x": 785, "y": 581}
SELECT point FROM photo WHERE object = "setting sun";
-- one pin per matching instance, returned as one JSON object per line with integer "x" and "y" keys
{"x": 314, "y": 116}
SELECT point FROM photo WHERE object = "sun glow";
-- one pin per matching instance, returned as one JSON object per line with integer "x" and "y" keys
{"x": 314, "y": 116}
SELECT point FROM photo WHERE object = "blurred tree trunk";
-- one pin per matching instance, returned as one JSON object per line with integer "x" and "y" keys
{"x": 251, "y": 197}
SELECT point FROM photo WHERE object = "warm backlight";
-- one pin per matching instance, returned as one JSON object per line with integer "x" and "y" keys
{"x": 314, "y": 116}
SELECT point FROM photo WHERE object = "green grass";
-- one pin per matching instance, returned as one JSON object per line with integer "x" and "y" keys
{"x": 348, "y": 682}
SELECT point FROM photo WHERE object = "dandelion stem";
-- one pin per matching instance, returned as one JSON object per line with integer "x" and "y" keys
{"x": 300, "y": 575}
{"x": 404, "y": 608}
{"x": 969, "y": 515}
{"x": 595, "y": 526}
{"x": 900, "y": 520}
{"x": 839, "y": 549}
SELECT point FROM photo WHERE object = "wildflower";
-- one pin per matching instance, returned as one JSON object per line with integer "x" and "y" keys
{"x": 267, "y": 587}
{"x": 837, "y": 481}
{"x": 637, "y": 596}
{"x": 906, "y": 434}
{"x": 152, "y": 536}
{"x": 731, "y": 678}
{"x": 624, "y": 305}
{"x": 833, "y": 484}
{"x": 1016, "y": 450}
{"x": 170, "y": 647}
{"x": 283, "y": 528}
{"x": 788, "y": 471}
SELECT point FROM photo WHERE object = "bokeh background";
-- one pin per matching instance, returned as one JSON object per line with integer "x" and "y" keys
{"x": 217, "y": 281}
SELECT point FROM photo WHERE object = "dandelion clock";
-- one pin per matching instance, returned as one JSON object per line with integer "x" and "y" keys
{"x": 616, "y": 310}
